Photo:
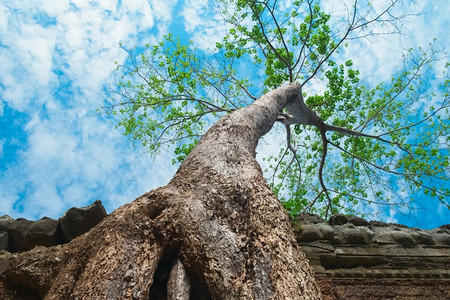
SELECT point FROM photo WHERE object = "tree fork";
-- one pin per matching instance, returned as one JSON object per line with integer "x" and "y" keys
{"x": 215, "y": 231}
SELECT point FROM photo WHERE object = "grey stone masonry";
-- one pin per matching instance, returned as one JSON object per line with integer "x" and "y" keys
{"x": 352, "y": 247}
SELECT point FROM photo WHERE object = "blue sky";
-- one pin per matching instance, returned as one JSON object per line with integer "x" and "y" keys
{"x": 56, "y": 56}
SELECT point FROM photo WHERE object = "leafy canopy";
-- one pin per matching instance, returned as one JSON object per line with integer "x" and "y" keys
{"x": 384, "y": 142}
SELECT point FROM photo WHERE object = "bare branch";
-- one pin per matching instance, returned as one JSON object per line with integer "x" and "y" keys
{"x": 372, "y": 164}
{"x": 300, "y": 54}
{"x": 322, "y": 164}
{"x": 288, "y": 63}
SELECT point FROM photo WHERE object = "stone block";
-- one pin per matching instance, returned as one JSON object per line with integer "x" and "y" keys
{"x": 306, "y": 218}
{"x": 355, "y": 236}
{"x": 357, "y": 221}
{"x": 4, "y": 240}
{"x": 77, "y": 221}
{"x": 441, "y": 235}
{"x": 403, "y": 238}
{"x": 25, "y": 235}
{"x": 425, "y": 238}
{"x": 309, "y": 233}
{"x": 338, "y": 219}
{"x": 328, "y": 231}
{"x": 378, "y": 224}
{"x": 17, "y": 231}
{"x": 5, "y": 221}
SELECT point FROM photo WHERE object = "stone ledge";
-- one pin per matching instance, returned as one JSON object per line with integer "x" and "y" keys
{"x": 374, "y": 249}
{"x": 365, "y": 273}
{"x": 383, "y": 288}
{"x": 22, "y": 235}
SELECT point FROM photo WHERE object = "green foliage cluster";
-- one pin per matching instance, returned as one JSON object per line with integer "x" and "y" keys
{"x": 289, "y": 45}
{"x": 404, "y": 152}
{"x": 385, "y": 142}
{"x": 170, "y": 93}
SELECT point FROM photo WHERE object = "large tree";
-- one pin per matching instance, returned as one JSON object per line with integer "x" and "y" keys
{"x": 217, "y": 230}
{"x": 386, "y": 140}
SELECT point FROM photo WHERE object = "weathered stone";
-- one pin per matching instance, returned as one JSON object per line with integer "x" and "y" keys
{"x": 77, "y": 221}
{"x": 446, "y": 226}
{"x": 4, "y": 240}
{"x": 44, "y": 232}
{"x": 403, "y": 238}
{"x": 17, "y": 231}
{"x": 397, "y": 225}
{"x": 338, "y": 238}
{"x": 310, "y": 233}
{"x": 380, "y": 251}
{"x": 25, "y": 235}
{"x": 307, "y": 218}
{"x": 441, "y": 235}
{"x": 328, "y": 231}
{"x": 347, "y": 225}
{"x": 355, "y": 236}
{"x": 381, "y": 234}
{"x": 377, "y": 224}
{"x": 317, "y": 247}
{"x": 5, "y": 221}
{"x": 383, "y": 288}
{"x": 370, "y": 235}
{"x": 338, "y": 219}
{"x": 357, "y": 221}
{"x": 383, "y": 237}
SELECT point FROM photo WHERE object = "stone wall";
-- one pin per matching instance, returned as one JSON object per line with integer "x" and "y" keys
{"x": 21, "y": 234}
{"x": 356, "y": 259}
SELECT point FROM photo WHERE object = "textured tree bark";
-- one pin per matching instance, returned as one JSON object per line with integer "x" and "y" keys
{"x": 215, "y": 231}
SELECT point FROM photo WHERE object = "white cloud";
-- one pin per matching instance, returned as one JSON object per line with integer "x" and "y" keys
{"x": 61, "y": 169}
{"x": 206, "y": 26}
{"x": 53, "y": 69}
{"x": 4, "y": 16}
{"x": 162, "y": 9}
{"x": 54, "y": 8}
{"x": 36, "y": 51}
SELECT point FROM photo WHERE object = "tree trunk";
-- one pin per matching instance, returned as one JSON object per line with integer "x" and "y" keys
{"x": 215, "y": 231}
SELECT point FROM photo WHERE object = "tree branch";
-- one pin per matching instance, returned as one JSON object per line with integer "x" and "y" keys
{"x": 265, "y": 35}
{"x": 322, "y": 164}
